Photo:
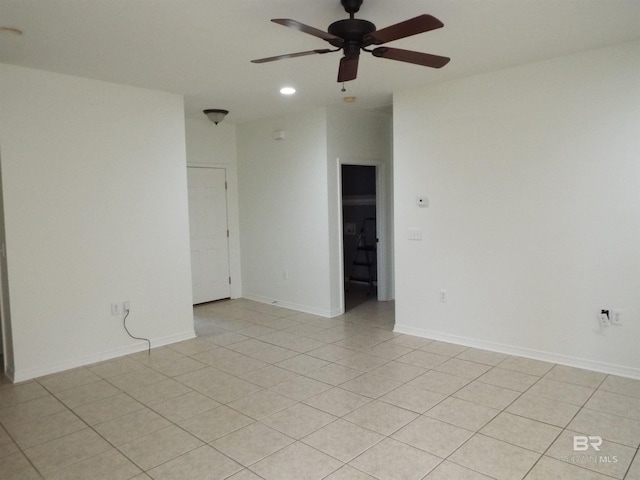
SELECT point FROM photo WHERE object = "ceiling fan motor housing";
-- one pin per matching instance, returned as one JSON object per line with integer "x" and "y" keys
{"x": 352, "y": 31}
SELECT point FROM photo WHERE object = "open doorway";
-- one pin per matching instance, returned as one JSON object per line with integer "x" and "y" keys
{"x": 360, "y": 239}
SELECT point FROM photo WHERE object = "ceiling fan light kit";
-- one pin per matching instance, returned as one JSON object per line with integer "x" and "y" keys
{"x": 354, "y": 35}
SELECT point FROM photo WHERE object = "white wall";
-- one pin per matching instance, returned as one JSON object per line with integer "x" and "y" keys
{"x": 356, "y": 136}
{"x": 283, "y": 211}
{"x": 95, "y": 210}
{"x": 210, "y": 145}
{"x": 289, "y": 202}
{"x": 533, "y": 179}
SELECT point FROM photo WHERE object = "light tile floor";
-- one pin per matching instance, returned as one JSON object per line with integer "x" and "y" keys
{"x": 274, "y": 394}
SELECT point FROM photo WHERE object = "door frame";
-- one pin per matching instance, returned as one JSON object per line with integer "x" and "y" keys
{"x": 383, "y": 254}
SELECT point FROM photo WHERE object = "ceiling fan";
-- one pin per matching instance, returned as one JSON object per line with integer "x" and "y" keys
{"x": 353, "y": 35}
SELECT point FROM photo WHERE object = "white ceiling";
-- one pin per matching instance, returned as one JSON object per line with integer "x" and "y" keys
{"x": 202, "y": 48}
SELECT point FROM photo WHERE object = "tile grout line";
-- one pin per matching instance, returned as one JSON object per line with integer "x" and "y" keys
{"x": 305, "y": 374}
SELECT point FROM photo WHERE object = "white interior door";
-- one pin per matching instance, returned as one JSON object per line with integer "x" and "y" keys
{"x": 208, "y": 230}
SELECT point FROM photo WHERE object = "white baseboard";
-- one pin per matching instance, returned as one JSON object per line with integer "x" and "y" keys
{"x": 560, "y": 359}
{"x": 293, "y": 306}
{"x": 30, "y": 373}
{"x": 10, "y": 374}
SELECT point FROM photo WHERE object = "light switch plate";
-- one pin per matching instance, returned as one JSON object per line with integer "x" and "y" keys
{"x": 349, "y": 228}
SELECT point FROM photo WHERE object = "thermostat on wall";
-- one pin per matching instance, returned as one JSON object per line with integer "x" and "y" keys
{"x": 422, "y": 201}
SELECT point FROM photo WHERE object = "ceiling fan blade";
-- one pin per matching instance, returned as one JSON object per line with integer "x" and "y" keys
{"x": 413, "y": 26}
{"x": 291, "y": 55}
{"x": 287, "y": 22}
{"x": 348, "y": 69}
{"x": 419, "y": 58}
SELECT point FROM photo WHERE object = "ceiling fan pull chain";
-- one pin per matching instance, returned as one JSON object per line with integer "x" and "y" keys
{"x": 343, "y": 89}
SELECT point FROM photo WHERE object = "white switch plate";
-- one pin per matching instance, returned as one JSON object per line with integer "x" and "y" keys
{"x": 349, "y": 228}
{"x": 616, "y": 317}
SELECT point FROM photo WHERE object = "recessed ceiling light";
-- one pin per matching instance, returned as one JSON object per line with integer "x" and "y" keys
{"x": 287, "y": 90}
{"x": 11, "y": 30}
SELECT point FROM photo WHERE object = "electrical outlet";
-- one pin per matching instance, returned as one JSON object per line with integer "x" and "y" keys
{"x": 115, "y": 309}
{"x": 603, "y": 319}
{"x": 415, "y": 234}
{"x": 126, "y": 306}
{"x": 442, "y": 295}
{"x": 616, "y": 317}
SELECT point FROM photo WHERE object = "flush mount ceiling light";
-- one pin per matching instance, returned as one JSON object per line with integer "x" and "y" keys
{"x": 287, "y": 90}
{"x": 216, "y": 115}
